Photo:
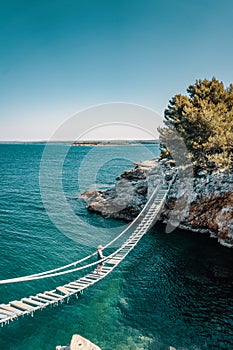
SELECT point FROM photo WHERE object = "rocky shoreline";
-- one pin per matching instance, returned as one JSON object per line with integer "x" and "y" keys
{"x": 203, "y": 203}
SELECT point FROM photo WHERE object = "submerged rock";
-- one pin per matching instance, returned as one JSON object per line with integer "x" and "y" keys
{"x": 79, "y": 343}
{"x": 203, "y": 203}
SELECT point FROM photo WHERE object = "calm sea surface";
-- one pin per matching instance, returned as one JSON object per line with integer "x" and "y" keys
{"x": 174, "y": 289}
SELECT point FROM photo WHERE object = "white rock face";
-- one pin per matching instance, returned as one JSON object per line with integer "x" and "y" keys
{"x": 206, "y": 205}
{"x": 201, "y": 204}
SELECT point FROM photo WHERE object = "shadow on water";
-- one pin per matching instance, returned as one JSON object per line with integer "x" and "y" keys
{"x": 180, "y": 286}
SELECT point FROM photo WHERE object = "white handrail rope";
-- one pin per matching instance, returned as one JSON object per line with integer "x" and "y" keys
{"x": 21, "y": 279}
{"x": 45, "y": 273}
{"x": 50, "y": 273}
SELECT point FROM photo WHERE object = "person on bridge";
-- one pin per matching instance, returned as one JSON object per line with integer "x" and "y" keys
{"x": 99, "y": 257}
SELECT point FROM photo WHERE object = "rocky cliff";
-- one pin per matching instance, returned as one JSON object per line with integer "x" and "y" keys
{"x": 203, "y": 204}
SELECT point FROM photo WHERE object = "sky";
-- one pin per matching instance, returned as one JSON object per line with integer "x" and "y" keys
{"x": 64, "y": 56}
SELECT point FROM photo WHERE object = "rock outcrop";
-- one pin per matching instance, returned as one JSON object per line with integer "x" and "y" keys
{"x": 79, "y": 343}
{"x": 128, "y": 197}
{"x": 203, "y": 204}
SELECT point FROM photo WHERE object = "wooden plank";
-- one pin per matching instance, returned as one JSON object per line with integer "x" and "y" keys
{"x": 81, "y": 286}
{"x": 125, "y": 254}
{"x": 71, "y": 288}
{"x": 84, "y": 281}
{"x": 80, "y": 282}
{"x": 2, "y": 316}
{"x": 45, "y": 301}
{"x": 9, "y": 313}
{"x": 33, "y": 302}
{"x": 21, "y": 305}
{"x": 63, "y": 290}
{"x": 117, "y": 257}
{"x": 92, "y": 275}
{"x": 113, "y": 262}
{"x": 42, "y": 295}
{"x": 75, "y": 285}
{"x": 106, "y": 272}
{"x": 89, "y": 280}
{"x": 53, "y": 294}
{"x": 139, "y": 234}
{"x": 10, "y": 308}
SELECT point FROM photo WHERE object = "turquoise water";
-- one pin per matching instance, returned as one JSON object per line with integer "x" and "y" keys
{"x": 174, "y": 289}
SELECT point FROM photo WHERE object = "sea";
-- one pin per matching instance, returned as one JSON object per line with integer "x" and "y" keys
{"x": 173, "y": 289}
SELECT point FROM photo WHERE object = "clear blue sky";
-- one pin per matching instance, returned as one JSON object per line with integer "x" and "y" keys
{"x": 60, "y": 56}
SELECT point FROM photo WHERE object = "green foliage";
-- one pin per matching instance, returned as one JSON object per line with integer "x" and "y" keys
{"x": 204, "y": 121}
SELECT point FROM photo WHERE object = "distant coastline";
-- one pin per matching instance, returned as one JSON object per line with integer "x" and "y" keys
{"x": 85, "y": 143}
{"x": 114, "y": 142}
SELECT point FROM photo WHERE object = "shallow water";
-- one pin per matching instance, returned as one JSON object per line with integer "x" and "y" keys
{"x": 172, "y": 289}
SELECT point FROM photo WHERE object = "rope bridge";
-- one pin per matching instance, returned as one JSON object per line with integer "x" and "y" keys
{"x": 135, "y": 231}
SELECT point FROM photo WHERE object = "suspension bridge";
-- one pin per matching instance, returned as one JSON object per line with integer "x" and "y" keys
{"x": 133, "y": 233}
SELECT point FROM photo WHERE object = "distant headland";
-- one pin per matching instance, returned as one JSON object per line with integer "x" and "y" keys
{"x": 86, "y": 142}
{"x": 114, "y": 142}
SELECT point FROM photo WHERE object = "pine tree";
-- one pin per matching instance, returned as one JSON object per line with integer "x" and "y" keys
{"x": 204, "y": 122}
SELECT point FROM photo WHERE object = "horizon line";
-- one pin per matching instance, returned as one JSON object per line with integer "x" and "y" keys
{"x": 78, "y": 141}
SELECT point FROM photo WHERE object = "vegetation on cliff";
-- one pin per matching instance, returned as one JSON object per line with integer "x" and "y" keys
{"x": 203, "y": 120}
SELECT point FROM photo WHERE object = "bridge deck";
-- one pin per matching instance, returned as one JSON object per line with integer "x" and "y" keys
{"x": 25, "y": 306}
